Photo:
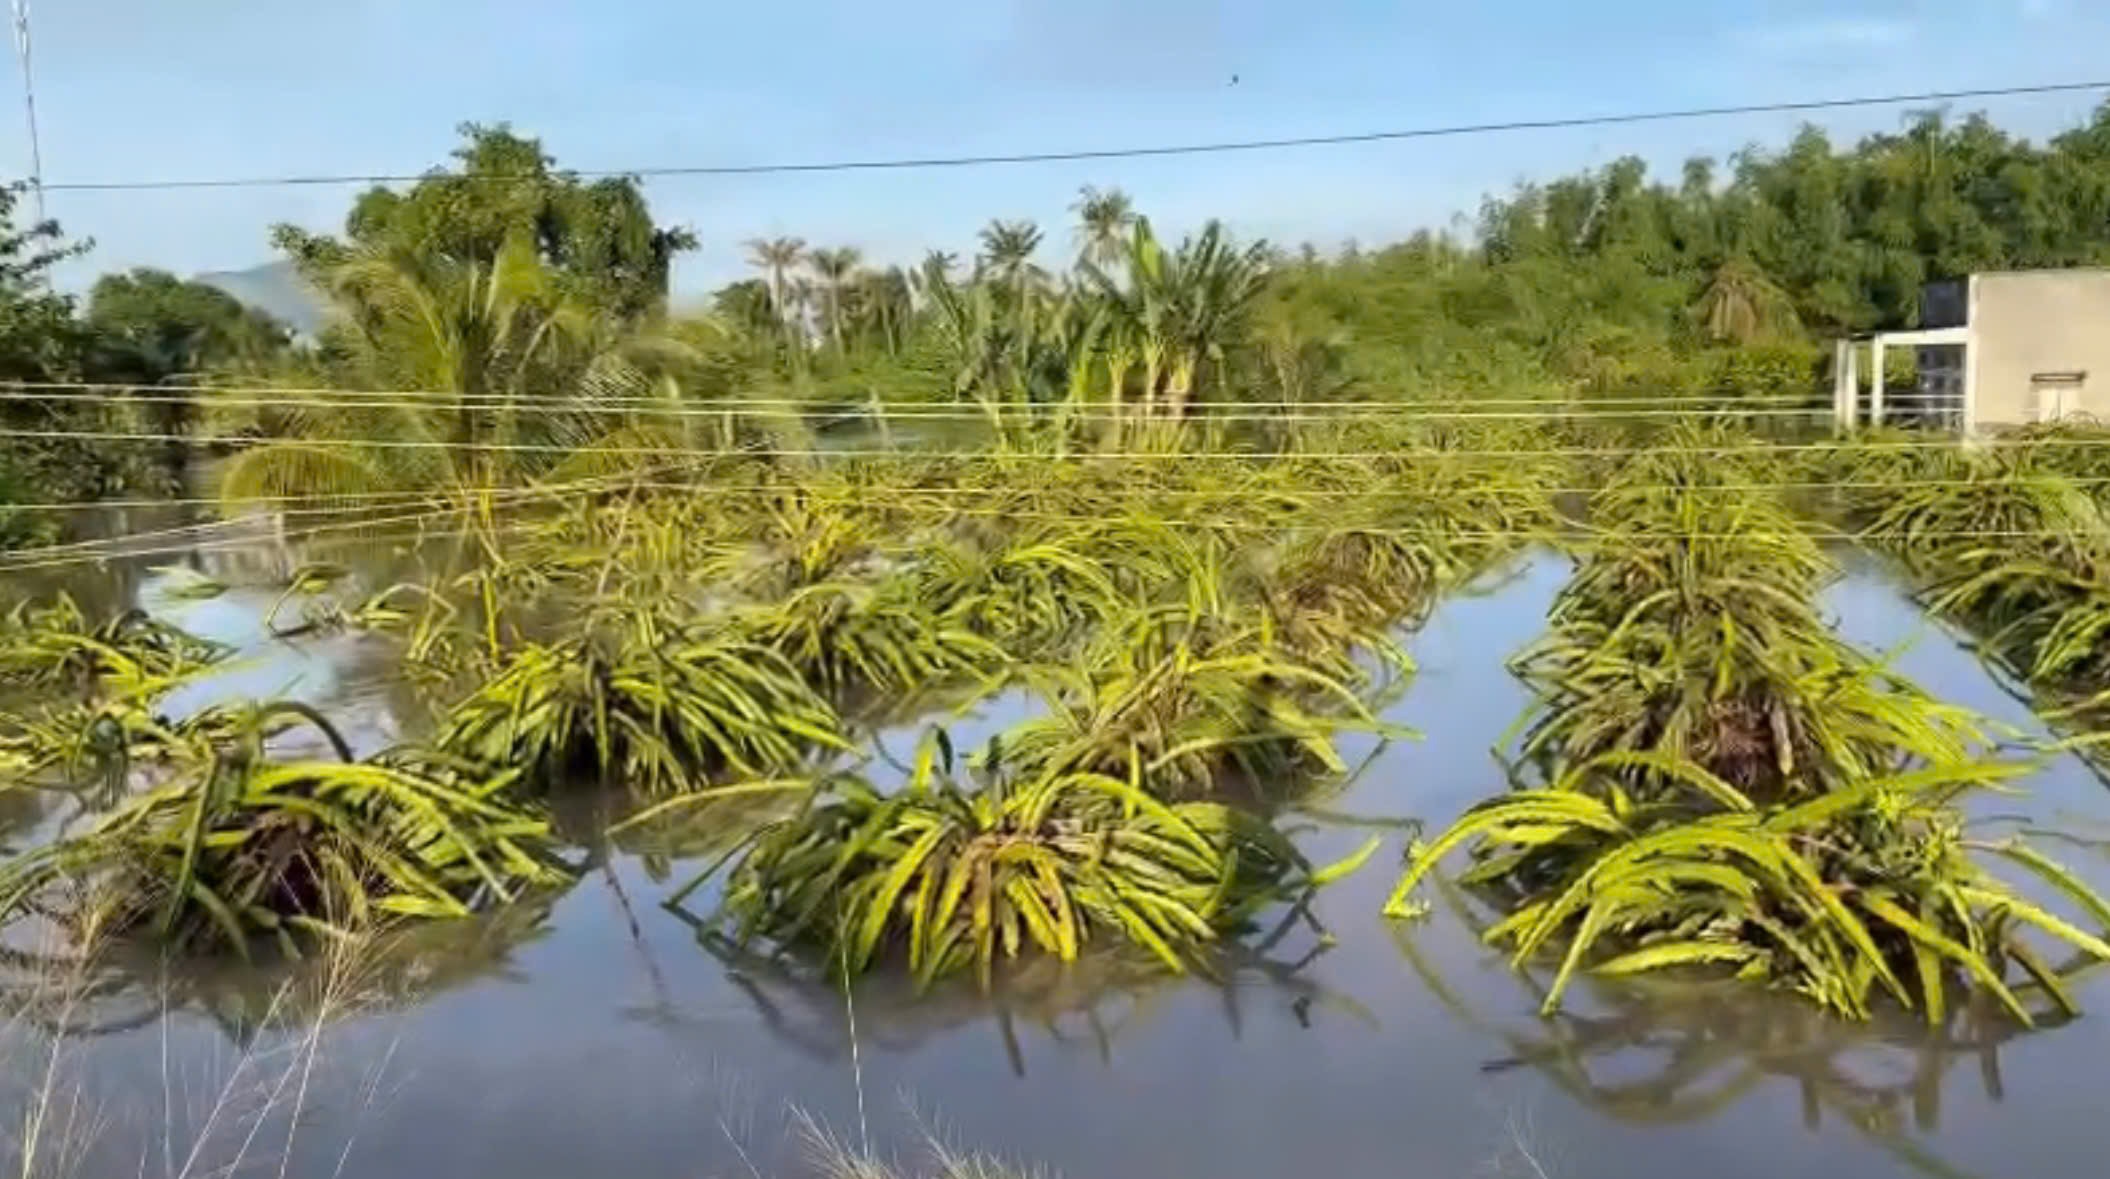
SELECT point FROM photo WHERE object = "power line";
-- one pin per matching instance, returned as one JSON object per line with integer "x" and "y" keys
{"x": 1115, "y": 153}
{"x": 941, "y": 456}
{"x": 39, "y": 391}
{"x": 340, "y": 502}
{"x": 365, "y": 530}
{"x": 664, "y": 409}
{"x": 29, "y": 105}
{"x": 1176, "y": 498}
{"x": 85, "y": 552}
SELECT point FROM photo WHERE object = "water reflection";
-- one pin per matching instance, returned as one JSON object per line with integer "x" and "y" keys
{"x": 1095, "y": 1000}
{"x": 569, "y": 1044}
{"x": 1669, "y": 1052}
{"x": 71, "y": 995}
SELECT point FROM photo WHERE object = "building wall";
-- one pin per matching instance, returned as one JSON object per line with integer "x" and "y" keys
{"x": 2025, "y": 325}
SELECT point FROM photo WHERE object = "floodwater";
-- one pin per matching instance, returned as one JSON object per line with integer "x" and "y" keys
{"x": 607, "y": 1039}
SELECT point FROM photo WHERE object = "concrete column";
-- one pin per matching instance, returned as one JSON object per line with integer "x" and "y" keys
{"x": 1970, "y": 385}
{"x": 1842, "y": 387}
{"x": 1875, "y": 382}
{"x": 1970, "y": 359}
{"x": 1851, "y": 371}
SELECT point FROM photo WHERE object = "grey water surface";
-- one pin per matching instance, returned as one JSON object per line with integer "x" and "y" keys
{"x": 607, "y": 1040}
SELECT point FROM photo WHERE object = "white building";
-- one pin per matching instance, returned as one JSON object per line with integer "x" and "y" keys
{"x": 1995, "y": 351}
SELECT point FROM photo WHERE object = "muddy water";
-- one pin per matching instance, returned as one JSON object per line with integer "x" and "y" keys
{"x": 608, "y": 1040}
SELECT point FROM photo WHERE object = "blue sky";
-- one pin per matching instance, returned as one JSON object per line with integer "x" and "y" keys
{"x": 132, "y": 89}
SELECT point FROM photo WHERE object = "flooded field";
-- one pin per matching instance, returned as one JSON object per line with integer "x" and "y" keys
{"x": 603, "y": 1034}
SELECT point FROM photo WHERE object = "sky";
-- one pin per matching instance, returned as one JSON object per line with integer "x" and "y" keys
{"x": 148, "y": 89}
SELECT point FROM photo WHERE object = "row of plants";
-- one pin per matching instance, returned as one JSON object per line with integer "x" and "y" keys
{"x": 1709, "y": 779}
{"x": 2011, "y": 544}
{"x": 1197, "y": 640}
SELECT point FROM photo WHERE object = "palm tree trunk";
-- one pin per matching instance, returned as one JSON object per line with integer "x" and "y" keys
{"x": 1117, "y": 367}
{"x": 1179, "y": 385}
{"x": 1151, "y": 366}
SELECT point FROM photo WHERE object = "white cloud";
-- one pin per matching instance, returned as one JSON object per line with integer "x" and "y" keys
{"x": 1835, "y": 35}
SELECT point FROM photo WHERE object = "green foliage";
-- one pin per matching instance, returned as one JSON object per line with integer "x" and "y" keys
{"x": 597, "y": 236}
{"x": 1729, "y": 785}
{"x": 43, "y": 340}
{"x": 1181, "y": 700}
{"x": 154, "y": 327}
{"x": 1863, "y": 888}
{"x": 945, "y": 876}
{"x": 132, "y": 656}
{"x": 1691, "y": 630}
{"x": 232, "y": 846}
{"x": 656, "y": 703}
{"x": 855, "y": 637}
{"x": 2011, "y": 544}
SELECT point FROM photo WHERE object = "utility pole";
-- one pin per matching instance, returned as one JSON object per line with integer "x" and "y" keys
{"x": 29, "y": 105}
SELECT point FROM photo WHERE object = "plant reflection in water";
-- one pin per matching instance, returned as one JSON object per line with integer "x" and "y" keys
{"x": 1094, "y": 1001}
{"x": 1666, "y": 1051}
{"x": 122, "y": 985}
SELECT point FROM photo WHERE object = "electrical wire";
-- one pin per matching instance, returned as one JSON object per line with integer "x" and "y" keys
{"x": 11, "y": 388}
{"x": 336, "y": 502}
{"x": 925, "y": 413}
{"x": 118, "y": 544}
{"x": 937, "y": 456}
{"x": 109, "y": 548}
{"x": 365, "y": 531}
{"x": 1116, "y": 153}
{"x": 487, "y": 499}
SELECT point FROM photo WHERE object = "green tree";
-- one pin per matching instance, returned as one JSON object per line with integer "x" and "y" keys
{"x": 775, "y": 258}
{"x": 501, "y": 365}
{"x": 596, "y": 237}
{"x": 42, "y": 342}
{"x": 833, "y": 271}
{"x": 1104, "y": 218}
{"x": 1007, "y": 255}
{"x": 1743, "y": 306}
{"x": 1184, "y": 310}
{"x": 150, "y": 328}
{"x": 155, "y": 327}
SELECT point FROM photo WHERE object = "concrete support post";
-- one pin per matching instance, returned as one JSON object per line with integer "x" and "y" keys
{"x": 1970, "y": 359}
{"x": 1875, "y": 382}
{"x": 1851, "y": 371}
{"x": 1970, "y": 386}
{"x": 1842, "y": 386}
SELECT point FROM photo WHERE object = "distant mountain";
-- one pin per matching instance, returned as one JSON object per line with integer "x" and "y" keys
{"x": 277, "y": 290}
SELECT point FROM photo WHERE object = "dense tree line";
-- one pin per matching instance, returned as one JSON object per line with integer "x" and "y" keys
{"x": 1608, "y": 279}
{"x": 530, "y": 310}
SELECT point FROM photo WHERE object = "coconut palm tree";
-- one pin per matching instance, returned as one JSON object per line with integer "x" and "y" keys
{"x": 1181, "y": 311}
{"x": 1742, "y": 304}
{"x": 490, "y": 350}
{"x": 1007, "y": 254}
{"x": 775, "y": 257}
{"x": 832, "y": 272}
{"x": 1103, "y": 220}
{"x": 881, "y": 304}
{"x": 1214, "y": 285}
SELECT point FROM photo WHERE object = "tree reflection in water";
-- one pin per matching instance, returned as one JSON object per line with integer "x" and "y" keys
{"x": 1668, "y": 1052}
